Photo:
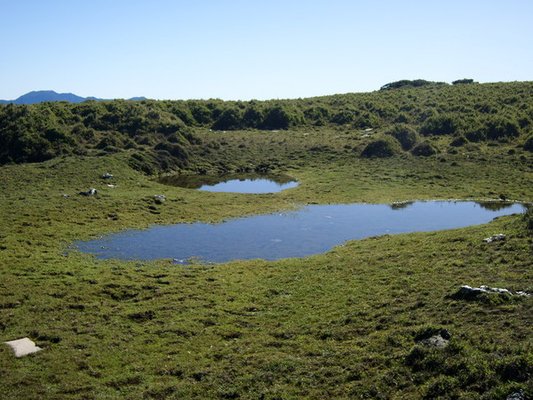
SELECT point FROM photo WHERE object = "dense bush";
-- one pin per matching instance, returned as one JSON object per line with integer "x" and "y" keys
{"x": 440, "y": 124}
{"x": 253, "y": 117}
{"x": 423, "y": 149}
{"x": 344, "y": 117}
{"x": 499, "y": 127}
{"x": 528, "y": 144}
{"x": 229, "y": 119}
{"x": 381, "y": 148}
{"x": 497, "y": 112}
{"x": 404, "y": 134}
{"x": 277, "y": 118}
{"x": 409, "y": 84}
{"x": 476, "y": 135}
{"x": 463, "y": 82}
{"x": 458, "y": 141}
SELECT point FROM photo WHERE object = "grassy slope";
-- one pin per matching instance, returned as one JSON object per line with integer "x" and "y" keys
{"x": 337, "y": 325}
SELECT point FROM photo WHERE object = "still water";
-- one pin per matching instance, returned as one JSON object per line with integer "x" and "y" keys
{"x": 310, "y": 230}
{"x": 233, "y": 183}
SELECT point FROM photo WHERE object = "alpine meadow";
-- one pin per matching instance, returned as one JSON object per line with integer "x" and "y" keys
{"x": 440, "y": 314}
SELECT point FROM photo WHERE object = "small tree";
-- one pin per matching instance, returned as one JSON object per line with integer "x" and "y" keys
{"x": 253, "y": 117}
{"x": 230, "y": 119}
{"x": 277, "y": 118}
{"x": 463, "y": 82}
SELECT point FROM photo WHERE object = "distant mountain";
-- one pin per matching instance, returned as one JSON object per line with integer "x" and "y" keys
{"x": 40, "y": 96}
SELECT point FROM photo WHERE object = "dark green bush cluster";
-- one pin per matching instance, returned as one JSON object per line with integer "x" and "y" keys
{"x": 528, "y": 144}
{"x": 43, "y": 131}
{"x": 528, "y": 218}
{"x": 405, "y": 83}
{"x": 474, "y": 113}
{"x": 381, "y": 148}
{"x": 424, "y": 149}
{"x": 463, "y": 82}
{"x": 440, "y": 124}
{"x": 406, "y": 135}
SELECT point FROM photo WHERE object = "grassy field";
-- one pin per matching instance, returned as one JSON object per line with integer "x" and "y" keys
{"x": 344, "y": 324}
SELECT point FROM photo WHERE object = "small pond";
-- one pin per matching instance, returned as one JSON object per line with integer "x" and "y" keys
{"x": 257, "y": 184}
{"x": 310, "y": 230}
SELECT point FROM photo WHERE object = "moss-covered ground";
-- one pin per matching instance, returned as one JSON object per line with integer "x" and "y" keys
{"x": 337, "y": 325}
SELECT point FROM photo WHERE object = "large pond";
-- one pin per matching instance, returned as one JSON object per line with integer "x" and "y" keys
{"x": 310, "y": 230}
{"x": 248, "y": 183}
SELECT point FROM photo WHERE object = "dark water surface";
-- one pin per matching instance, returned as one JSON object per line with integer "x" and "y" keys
{"x": 310, "y": 230}
{"x": 247, "y": 183}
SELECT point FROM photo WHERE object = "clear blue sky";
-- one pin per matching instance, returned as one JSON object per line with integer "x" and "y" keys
{"x": 236, "y": 49}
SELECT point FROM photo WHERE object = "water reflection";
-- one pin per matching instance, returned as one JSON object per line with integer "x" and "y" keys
{"x": 495, "y": 205}
{"x": 399, "y": 205}
{"x": 310, "y": 230}
{"x": 235, "y": 183}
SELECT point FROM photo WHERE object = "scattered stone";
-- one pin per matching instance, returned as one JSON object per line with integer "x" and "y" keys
{"x": 65, "y": 196}
{"x": 90, "y": 192}
{"x": 520, "y": 395}
{"x": 107, "y": 175}
{"x": 111, "y": 186}
{"x": 368, "y": 130}
{"x": 494, "y": 238}
{"x": 523, "y": 293}
{"x": 160, "y": 198}
{"x": 23, "y": 347}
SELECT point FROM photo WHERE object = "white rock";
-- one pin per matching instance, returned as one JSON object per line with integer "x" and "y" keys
{"x": 495, "y": 289}
{"x": 494, "y": 238}
{"x": 159, "y": 198}
{"x": 435, "y": 341}
{"x": 23, "y": 347}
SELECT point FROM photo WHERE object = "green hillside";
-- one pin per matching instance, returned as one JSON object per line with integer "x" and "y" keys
{"x": 350, "y": 323}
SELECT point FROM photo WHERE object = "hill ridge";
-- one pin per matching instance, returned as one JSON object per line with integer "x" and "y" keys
{"x": 41, "y": 96}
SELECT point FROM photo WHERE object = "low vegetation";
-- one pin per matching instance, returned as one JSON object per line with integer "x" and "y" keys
{"x": 351, "y": 323}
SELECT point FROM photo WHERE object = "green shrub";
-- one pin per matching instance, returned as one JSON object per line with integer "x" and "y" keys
{"x": 229, "y": 119}
{"x": 344, "y": 117}
{"x": 252, "y": 117}
{"x": 463, "y": 82}
{"x": 528, "y": 144}
{"x": 113, "y": 139}
{"x": 440, "y": 124}
{"x": 317, "y": 115}
{"x": 404, "y": 134}
{"x": 476, "y": 136}
{"x": 277, "y": 118}
{"x": 528, "y": 218}
{"x": 423, "y": 149}
{"x": 458, "y": 141}
{"x": 381, "y": 148}
{"x": 175, "y": 150}
{"x": 501, "y": 127}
